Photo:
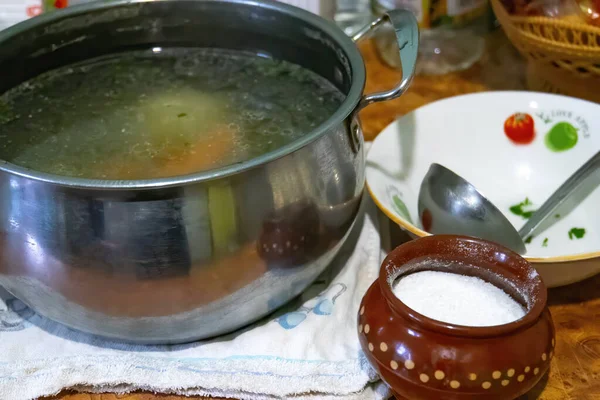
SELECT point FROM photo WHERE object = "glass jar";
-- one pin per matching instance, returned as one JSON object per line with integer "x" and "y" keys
{"x": 324, "y": 8}
{"x": 450, "y": 38}
{"x": 352, "y": 15}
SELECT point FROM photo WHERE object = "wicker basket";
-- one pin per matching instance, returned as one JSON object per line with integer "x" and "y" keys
{"x": 563, "y": 54}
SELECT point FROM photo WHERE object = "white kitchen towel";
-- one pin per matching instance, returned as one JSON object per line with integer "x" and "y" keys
{"x": 307, "y": 350}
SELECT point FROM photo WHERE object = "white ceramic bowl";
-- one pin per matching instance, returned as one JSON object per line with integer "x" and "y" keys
{"x": 467, "y": 134}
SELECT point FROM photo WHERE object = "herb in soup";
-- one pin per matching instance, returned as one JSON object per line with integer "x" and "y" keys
{"x": 161, "y": 113}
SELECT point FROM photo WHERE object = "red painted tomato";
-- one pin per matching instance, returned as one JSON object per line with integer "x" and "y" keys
{"x": 519, "y": 128}
{"x": 61, "y": 3}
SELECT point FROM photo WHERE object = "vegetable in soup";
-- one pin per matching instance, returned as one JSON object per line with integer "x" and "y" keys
{"x": 160, "y": 113}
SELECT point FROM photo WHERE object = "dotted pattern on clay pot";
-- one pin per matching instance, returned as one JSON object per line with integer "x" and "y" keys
{"x": 487, "y": 380}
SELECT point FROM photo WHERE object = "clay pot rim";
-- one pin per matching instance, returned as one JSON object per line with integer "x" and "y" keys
{"x": 537, "y": 292}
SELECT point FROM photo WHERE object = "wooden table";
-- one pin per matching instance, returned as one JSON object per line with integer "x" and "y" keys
{"x": 575, "y": 372}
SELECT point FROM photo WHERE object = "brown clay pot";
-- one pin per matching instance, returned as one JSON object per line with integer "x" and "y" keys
{"x": 425, "y": 359}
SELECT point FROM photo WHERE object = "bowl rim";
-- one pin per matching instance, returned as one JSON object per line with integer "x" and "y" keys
{"x": 420, "y": 233}
{"x": 534, "y": 311}
{"x": 346, "y": 108}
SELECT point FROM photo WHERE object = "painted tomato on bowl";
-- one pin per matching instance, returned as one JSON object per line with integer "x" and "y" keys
{"x": 519, "y": 128}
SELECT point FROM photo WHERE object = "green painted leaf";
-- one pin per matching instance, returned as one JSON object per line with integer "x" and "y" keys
{"x": 401, "y": 208}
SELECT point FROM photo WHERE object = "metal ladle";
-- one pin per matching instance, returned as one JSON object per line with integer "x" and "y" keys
{"x": 448, "y": 204}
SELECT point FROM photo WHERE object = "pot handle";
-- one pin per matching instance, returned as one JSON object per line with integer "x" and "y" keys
{"x": 406, "y": 29}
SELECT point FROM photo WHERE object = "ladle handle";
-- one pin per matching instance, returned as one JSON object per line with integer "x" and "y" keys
{"x": 560, "y": 195}
{"x": 406, "y": 29}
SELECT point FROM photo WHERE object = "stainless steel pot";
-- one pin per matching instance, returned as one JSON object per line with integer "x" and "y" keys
{"x": 189, "y": 257}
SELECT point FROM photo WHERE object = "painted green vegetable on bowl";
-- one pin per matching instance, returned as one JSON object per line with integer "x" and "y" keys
{"x": 561, "y": 137}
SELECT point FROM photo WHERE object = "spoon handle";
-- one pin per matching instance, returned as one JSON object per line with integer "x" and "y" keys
{"x": 560, "y": 195}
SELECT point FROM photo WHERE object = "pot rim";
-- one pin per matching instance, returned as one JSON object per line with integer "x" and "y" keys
{"x": 347, "y": 107}
{"x": 536, "y": 289}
